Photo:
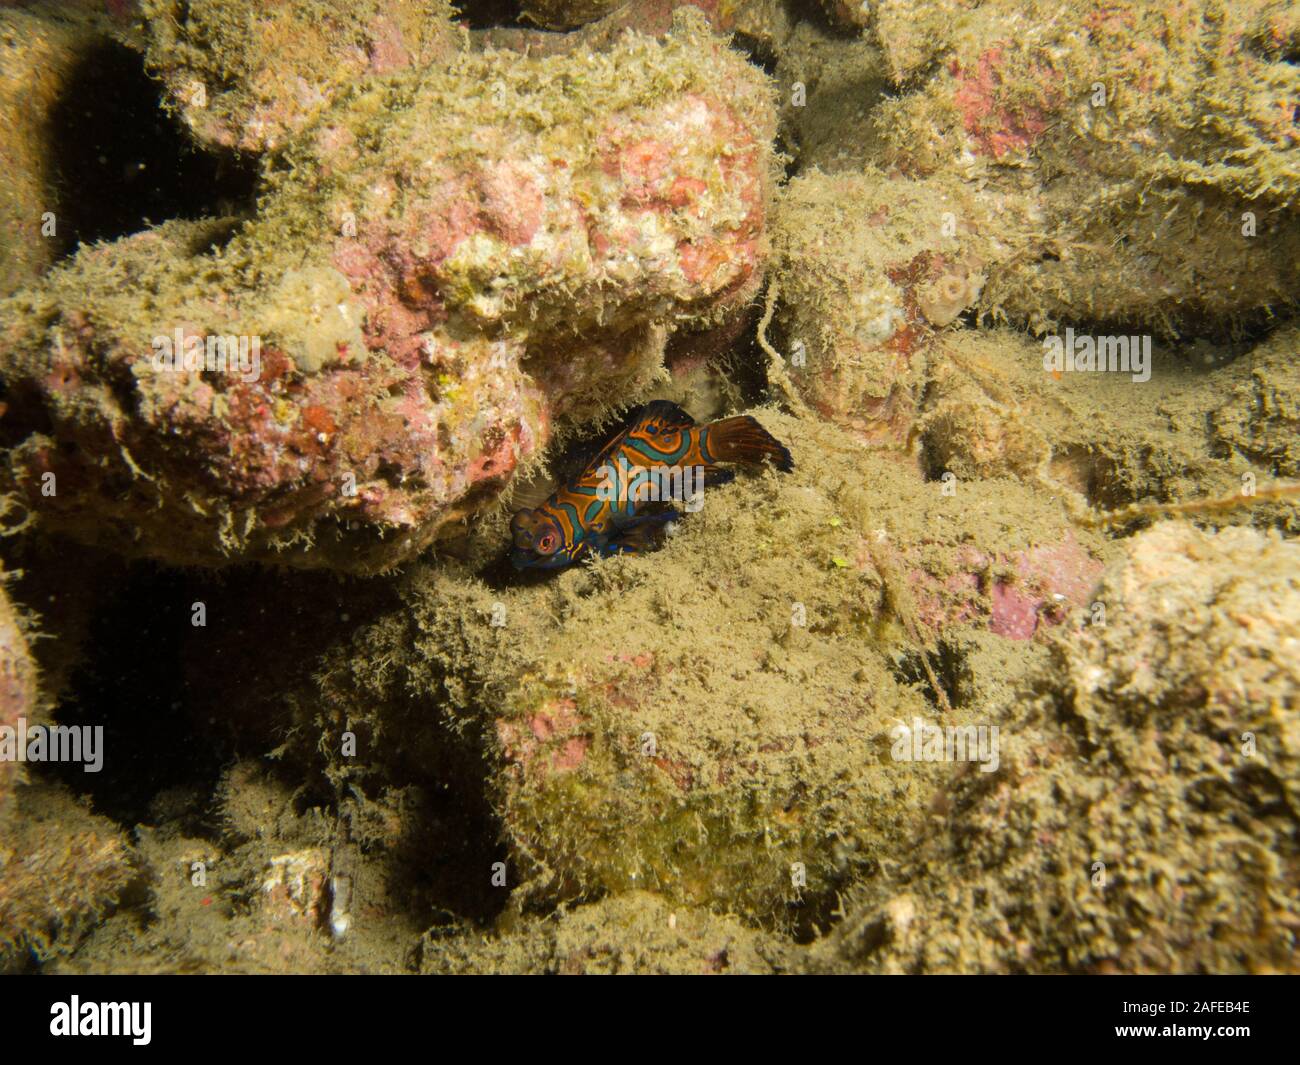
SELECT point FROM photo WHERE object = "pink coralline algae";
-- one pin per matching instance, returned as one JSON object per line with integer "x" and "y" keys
{"x": 998, "y": 125}
{"x": 454, "y": 260}
{"x": 1014, "y": 595}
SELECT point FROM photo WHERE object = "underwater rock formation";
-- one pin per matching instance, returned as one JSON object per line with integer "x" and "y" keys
{"x": 636, "y": 932}
{"x": 1144, "y": 815}
{"x": 868, "y": 267}
{"x": 249, "y": 76}
{"x": 938, "y": 699}
{"x": 38, "y": 55}
{"x": 1142, "y": 169}
{"x": 61, "y": 869}
{"x": 1259, "y": 420}
{"x": 1167, "y": 163}
{"x": 713, "y": 721}
{"x": 450, "y": 262}
{"x": 1197, "y": 429}
{"x": 17, "y": 696}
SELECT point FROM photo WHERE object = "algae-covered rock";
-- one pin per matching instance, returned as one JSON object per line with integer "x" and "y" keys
{"x": 40, "y": 50}
{"x": 911, "y": 32}
{"x": 565, "y": 14}
{"x": 1144, "y": 815}
{"x": 453, "y": 259}
{"x": 598, "y": 24}
{"x": 1140, "y": 162}
{"x": 1156, "y": 142}
{"x": 1212, "y": 422}
{"x": 1260, "y": 419}
{"x": 243, "y": 881}
{"x": 829, "y": 85}
{"x": 868, "y": 267}
{"x": 17, "y": 698}
{"x": 61, "y": 868}
{"x": 714, "y": 721}
{"x": 249, "y": 75}
{"x": 635, "y": 933}
{"x": 891, "y": 704}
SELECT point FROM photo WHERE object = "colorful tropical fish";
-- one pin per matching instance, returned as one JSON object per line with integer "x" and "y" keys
{"x": 621, "y": 501}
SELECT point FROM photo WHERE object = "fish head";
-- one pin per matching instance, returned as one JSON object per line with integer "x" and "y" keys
{"x": 537, "y": 542}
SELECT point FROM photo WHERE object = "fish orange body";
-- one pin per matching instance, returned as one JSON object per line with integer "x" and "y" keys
{"x": 618, "y": 503}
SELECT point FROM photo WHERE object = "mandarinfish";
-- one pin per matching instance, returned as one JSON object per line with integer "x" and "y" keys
{"x": 622, "y": 499}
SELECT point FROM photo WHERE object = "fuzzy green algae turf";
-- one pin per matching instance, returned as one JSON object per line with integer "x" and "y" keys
{"x": 399, "y": 399}
{"x": 713, "y": 721}
{"x": 635, "y": 932}
{"x": 247, "y": 75}
{"x": 1145, "y": 818}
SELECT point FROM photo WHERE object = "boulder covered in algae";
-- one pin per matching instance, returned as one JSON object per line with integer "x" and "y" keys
{"x": 1140, "y": 162}
{"x": 61, "y": 869}
{"x": 18, "y": 700}
{"x": 1143, "y": 818}
{"x": 249, "y": 76}
{"x": 874, "y": 273}
{"x": 715, "y": 721}
{"x": 442, "y": 265}
{"x": 40, "y": 52}
{"x": 635, "y": 932}
{"x": 868, "y": 268}
{"x": 1209, "y": 422}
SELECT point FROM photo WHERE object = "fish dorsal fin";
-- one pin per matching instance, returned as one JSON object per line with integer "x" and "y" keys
{"x": 527, "y": 493}
{"x": 663, "y": 412}
{"x": 603, "y": 455}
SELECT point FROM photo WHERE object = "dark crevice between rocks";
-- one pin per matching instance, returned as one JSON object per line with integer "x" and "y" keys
{"x": 24, "y": 412}
{"x": 949, "y": 666}
{"x": 132, "y": 684}
{"x": 758, "y": 51}
{"x": 490, "y": 14}
{"x": 180, "y": 704}
{"x": 120, "y": 162}
{"x": 789, "y": 153}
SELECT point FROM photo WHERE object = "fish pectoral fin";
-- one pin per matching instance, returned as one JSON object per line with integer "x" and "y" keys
{"x": 717, "y": 475}
{"x": 642, "y": 533}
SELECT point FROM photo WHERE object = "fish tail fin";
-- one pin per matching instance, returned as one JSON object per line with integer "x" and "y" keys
{"x": 742, "y": 439}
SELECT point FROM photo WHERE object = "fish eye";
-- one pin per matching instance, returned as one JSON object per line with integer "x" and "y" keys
{"x": 546, "y": 544}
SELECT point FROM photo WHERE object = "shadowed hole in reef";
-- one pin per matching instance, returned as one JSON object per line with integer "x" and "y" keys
{"x": 949, "y": 666}
{"x": 132, "y": 685}
{"x": 180, "y": 704}
{"x": 486, "y": 14}
{"x": 120, "y": 162}
{"x": 759, "y": 52}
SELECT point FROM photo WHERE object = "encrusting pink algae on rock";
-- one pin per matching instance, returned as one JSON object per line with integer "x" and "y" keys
{"x": 1145, "y": 817}
{"x": 442, "y": 266}
{"x": 951, "y": 695}
{"x": 250, "y": 77}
